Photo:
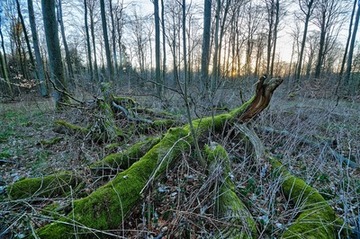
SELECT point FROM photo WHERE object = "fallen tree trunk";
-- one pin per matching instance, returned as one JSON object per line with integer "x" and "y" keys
{"x": 316, "y": 219}
{"x": 230, "y": 208}
{"x": 107, "y": 207}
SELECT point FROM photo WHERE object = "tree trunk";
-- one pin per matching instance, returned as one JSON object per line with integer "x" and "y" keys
{"x": 215, "y": 64}
{"x": 352, "y": 46}
{"x": 320, "y": 58}
{"x": 53, "y": 46}
{"x": 39, "y": 62}
{"x": 164, "y": 41}
{"x": 88, "y": 46}
{"x": 205, "y": 55}
{"x": 113, "y": 37}
{"x": 158, "y": 80}
{"x": 270, "y": 6}
{"x": 307, "y": 19}
{"x": 66, "y": 48}
{"x": 25, "y": 33}
{"x": 347, "y": 41}
{"x": 92, "y": 31}
{"x": 276, "y": 24}
{"x": 5, "y": 75}
{"x": 109, "y": 69}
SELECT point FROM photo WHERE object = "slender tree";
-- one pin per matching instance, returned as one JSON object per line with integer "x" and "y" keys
{"x": 3, "y": 61}
{"x": 276, "y": 26}
{"x": 157, "y": 48}
{"x": 215, "y": 68}
{"x": 106, "y": 41}
{"x": 352, "y": 46}
{"x": 348, "y": 40}
{"x": 205, "y": 55}
{"x": 326, "y": 19}
{"x": 38, "y": 58}
{"x": 113, "y": 37}
{"x": 163, "y": 40}
{"x": 307, "y": 7}
{"x": 25, "y": 32}
{"x": 63, "y": 36}
{"x": 88, "y": 46}
{"x": 91, "y": 6}
{"x": 270, "y": 18}
{"x": 54, "y": 53}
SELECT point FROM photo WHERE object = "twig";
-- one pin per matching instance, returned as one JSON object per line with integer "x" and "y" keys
{"x": 65, "y": 92}
{"x": 127, "y": 114}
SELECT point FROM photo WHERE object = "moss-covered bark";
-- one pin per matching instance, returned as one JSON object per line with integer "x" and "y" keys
{"x": 64, "y": 127}
{"x": 107, "y": 206}
{"x": 124, "y": 159}
{"x": 231, "y": 208}
{"x": 316, "y": 219}
{"x": 48, "y": 186}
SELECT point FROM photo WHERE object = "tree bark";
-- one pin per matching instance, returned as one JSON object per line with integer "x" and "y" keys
{"x": 52, "y": 41}
{"x": 205, "y": 54}
{"x": 39, "y": 62}
{"x": 88, "y": 46}
{"x": 158, "y": 80}
{"x": 320, "y": 58}
{"x": 109, "y": 69}
{"x": 66, "y": 48}
{"x": 352, "y": 46}
{"x": 270, "y": 9}
{"x": 92, "y": 31}
{"x": 113, "y": 37}
{"x": 347, "y": 40}
{"x": 276, "y": 24}
{"x": 308, "y": 13}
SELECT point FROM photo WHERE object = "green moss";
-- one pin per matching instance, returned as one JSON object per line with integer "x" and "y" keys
{"x": 316, "y": 219}
{"x": 67, "y": 127}
{"x": 48, "y": 186}
{"x": 164, "y": 123}
{"x": 127, "y": 102}
{"x": 108, "y": 205}
{"x": 230, "y": 207}
{"x": 125, "y": 158}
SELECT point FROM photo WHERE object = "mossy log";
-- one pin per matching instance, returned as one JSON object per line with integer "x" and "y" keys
{"x": 107, "y": 207}
{"x": 49, "y": 186}
{"x": 316, "y": 219}
{"x": 230, "y": 207}
{"x": 64, "y": 127}
{"x": 124, "y": 159}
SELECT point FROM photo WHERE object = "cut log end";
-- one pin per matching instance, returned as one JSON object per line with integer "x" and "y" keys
{"x": 264, "y": 90}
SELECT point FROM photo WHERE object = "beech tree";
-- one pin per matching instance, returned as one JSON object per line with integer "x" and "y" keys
{"x": 157, "y": 48}
{"x": 109, "y": 69}
{"x": 63, "y": 36}
{"x": 205, "y": 55}
{"x": 352, "y": 45}
{"x": 54, "y": 52}
{"x": 38, "y": 58}
{"x": 328, "y": 14}
{"x": 307, "y": 8}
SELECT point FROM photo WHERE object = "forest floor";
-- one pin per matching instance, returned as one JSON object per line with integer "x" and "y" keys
{"x": 29, "y": 147}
